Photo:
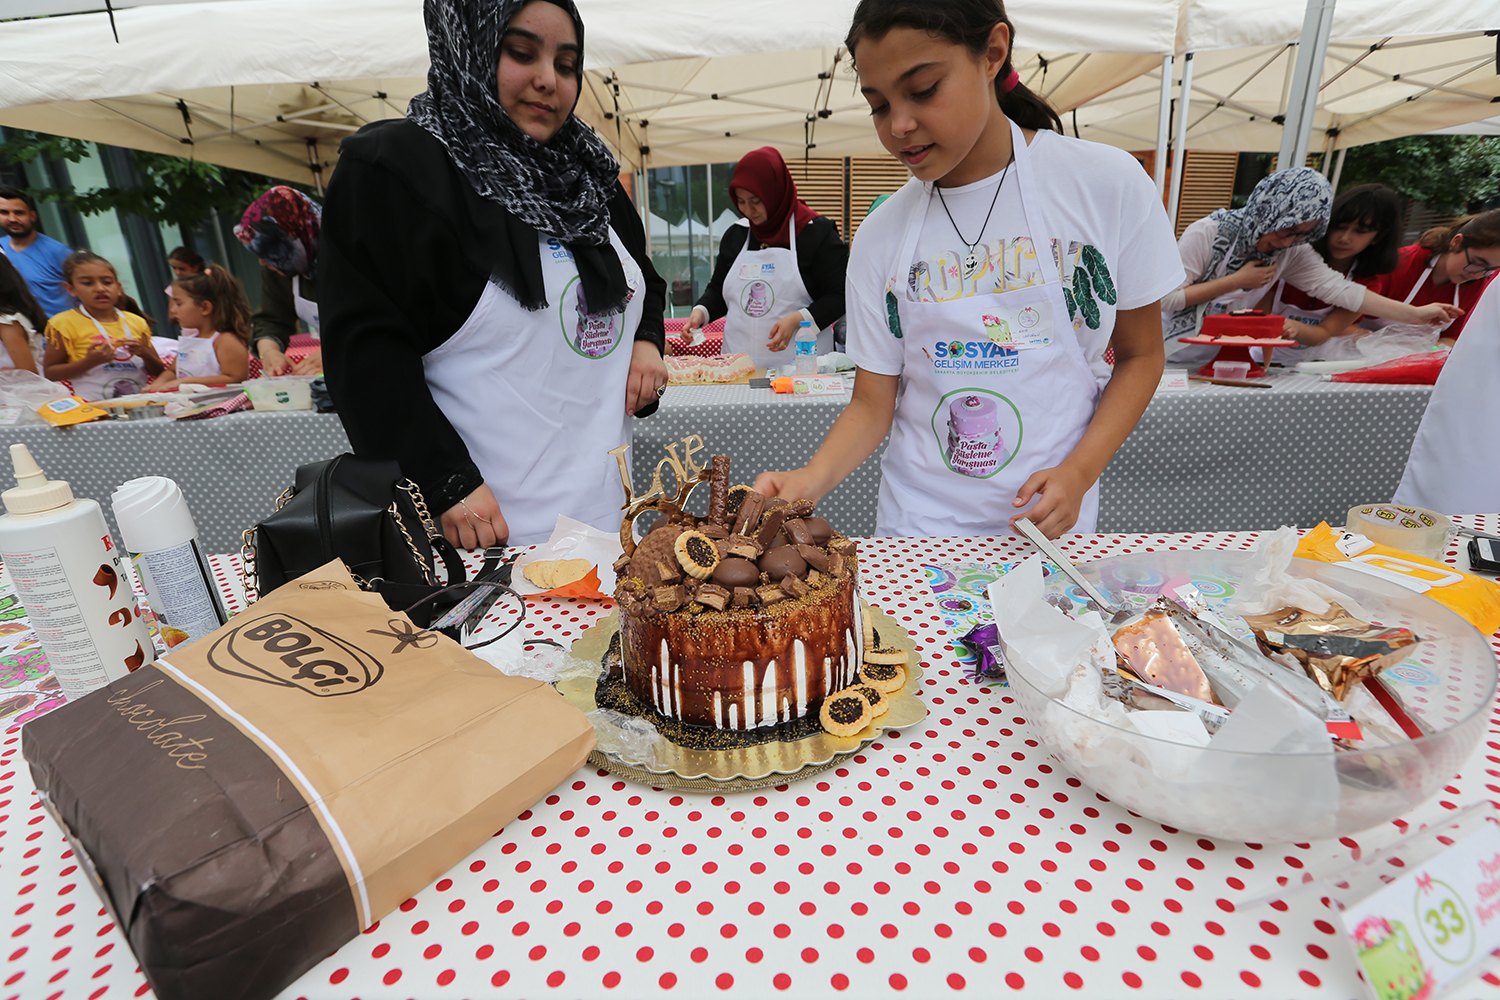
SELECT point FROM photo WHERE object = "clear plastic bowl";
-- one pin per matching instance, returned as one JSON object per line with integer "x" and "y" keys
{"x": 1448, "y": 684}
{"x": 1232, "y": 369}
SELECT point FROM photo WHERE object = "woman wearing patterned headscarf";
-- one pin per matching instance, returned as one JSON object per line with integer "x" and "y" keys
{"x": 492, "y": 320}
{"x": 1233, "y": 254}
{"x": 281, "y": 228}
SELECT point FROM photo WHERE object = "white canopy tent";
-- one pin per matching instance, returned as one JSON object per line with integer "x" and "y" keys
{"x": 319, "y": 69}
{"x": 1393, "y": 68}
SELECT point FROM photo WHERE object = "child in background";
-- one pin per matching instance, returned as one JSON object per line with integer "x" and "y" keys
{"x": 215, "y": 343}
{"x": 21, "y": 321}
{"x": 99, "y": 346}
{"x": 1462, "y": 254}
{"x": 185, "y": 262}
{"x": 1364, "y": 234}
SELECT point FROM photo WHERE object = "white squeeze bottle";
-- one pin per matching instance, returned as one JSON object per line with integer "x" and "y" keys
{"x": 157, "y": 530}
{"x": 67, "y": 571}
{"x": 807, "y": 349}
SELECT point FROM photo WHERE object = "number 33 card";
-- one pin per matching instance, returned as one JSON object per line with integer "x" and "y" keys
{"x": 1425, "y": 931}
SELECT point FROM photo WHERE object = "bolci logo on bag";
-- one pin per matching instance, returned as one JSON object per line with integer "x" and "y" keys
{"x": 279, "y": 649}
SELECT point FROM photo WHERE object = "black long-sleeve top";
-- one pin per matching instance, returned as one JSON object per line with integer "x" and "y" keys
{"x": 822, "y": 259}
{"x": 276, "y": 317}
{"x": 406, "y": 249}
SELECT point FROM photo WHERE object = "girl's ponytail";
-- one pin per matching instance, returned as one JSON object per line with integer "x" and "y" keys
{"x": 215, "y": 284}
{"x": 1482, "y": 230}
{"x": 962, "y": 22}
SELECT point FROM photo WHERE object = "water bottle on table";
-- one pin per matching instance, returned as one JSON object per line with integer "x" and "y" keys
{"x": 807, "y": 349}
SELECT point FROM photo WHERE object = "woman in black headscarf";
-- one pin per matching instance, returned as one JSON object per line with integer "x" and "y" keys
{"x": 491, "y": 318}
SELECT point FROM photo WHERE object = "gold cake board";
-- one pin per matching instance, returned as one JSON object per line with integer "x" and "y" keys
{"x": 743, "y": 769}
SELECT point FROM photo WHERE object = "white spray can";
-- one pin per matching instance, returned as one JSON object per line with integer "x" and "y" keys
{"x": 157, "y": 530}
{"x": 67, "y": 571}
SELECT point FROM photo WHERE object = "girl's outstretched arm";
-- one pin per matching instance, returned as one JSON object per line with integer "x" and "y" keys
{"x": 853, "y": 438}
{"x": 1139, "y": 359}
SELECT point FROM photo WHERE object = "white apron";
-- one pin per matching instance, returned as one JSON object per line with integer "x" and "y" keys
{"x": 196, "y": 357}
{"x": 1451, "y": 468}
{"x": 539, "y": 397}
{"x": 993, "y": 388}
{"x": 762, "y": 286}
{"x": 307, "y": 309}
{"x": 123, "y": 376}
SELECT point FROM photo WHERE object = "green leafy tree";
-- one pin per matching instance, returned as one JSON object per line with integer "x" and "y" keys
{"x": 170, "y": 189}
{"x": 1449, "y": 173}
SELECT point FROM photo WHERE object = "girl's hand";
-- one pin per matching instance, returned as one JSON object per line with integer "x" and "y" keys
{"x": 798, "y": 484}
{"x": 1062, "y": 492}
{"x": 1307, "y": 336}
{"x": 475, "y": 522}
{"x": 1436, "y": 313}
{"x": 783, "y": 332}
{"x": 1254, "y": 275}
{"x": 165, "y": 382}
{"x": 648, "y": 376}
{"x": 98, "y": 353}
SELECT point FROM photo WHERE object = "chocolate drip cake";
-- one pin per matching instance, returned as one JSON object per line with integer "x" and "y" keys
{"x": 743, "y": 619}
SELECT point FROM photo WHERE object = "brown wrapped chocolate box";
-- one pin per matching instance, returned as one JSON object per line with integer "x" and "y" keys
{"x": 255, "y": 799}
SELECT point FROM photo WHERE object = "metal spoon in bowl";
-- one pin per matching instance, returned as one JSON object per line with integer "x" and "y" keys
{"x": 1107, "y": 608}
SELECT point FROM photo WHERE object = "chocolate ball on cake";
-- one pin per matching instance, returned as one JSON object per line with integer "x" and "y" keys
{"x": 782, "y": 562}
{"x": 733, "y": 572}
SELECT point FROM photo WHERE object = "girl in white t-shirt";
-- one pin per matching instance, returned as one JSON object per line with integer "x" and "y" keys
{"x": 215, "y": 344}
{"x": 21, "y": 321}
{"x": 982, "y": 296}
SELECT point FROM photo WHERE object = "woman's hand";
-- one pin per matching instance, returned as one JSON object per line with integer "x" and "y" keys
{"x": 694, "y": 333}
{"x": 797, "y": 484}
{"x": 1254, "y": 274}
{"x": 783, "y": 332}
{"x": 311, "y": 363}
{"x": 272, "y": 360}
{"x": 1307, "y": 336}
{"x": 1062, "y": 490}
{"x": 1436, "y": 313}
{"x": 648, "y": 376}
{"x": 475, "y": 522}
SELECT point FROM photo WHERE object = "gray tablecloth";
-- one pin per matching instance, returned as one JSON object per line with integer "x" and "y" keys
{"x": 1225, "y": 458}
{"x": 1211, "y": 459}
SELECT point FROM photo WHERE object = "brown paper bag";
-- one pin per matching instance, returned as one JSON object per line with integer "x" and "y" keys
{"x": 253, "y": 800}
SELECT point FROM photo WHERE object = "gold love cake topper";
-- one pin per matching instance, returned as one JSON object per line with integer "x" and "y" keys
{"x": 687, "y": 473}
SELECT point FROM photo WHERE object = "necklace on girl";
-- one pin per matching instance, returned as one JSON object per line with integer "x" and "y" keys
{"x": 971, "y": 259}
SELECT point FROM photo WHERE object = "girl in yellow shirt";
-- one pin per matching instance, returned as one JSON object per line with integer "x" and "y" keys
{"x": 101, "y": 349}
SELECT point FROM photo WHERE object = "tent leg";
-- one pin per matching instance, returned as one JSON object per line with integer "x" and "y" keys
{"x": 1338, "y": 168}
{"x": 1179, "y": 150}
{"x": 1163, "y": 125}
{"x": 1302, "y": 104}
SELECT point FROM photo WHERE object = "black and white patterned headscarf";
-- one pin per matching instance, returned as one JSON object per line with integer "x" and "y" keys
{"x": 559, "y": 188}
{"x": 1283, "y": 200}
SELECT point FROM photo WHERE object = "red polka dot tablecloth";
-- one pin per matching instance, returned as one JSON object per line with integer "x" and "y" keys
{"x": 950, "y": 858}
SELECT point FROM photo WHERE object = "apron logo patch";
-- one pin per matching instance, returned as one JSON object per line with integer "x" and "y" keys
{"x": 593, "y": 335}
{"x": 977, "y": 431}
{"x": 757, "y": 298}
{"x": 974, "y": 355}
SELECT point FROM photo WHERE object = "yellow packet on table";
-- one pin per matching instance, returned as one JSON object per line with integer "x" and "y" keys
{"x": 1472, "y": 598}
{"x": 69, "y": 410}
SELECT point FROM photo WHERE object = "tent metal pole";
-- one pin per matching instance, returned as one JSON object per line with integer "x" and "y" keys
{"x": 1163, "y": 125}
{"x": 1338, "y": 168}
{"x": 1179, "y": 147}
{"x": 1302, "y": 102}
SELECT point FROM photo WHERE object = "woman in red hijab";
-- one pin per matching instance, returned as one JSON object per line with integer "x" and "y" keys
{"x": 781, "y": 264}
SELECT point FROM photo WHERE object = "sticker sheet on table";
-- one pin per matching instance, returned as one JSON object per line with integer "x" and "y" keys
{"x": 951, "y": 859}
